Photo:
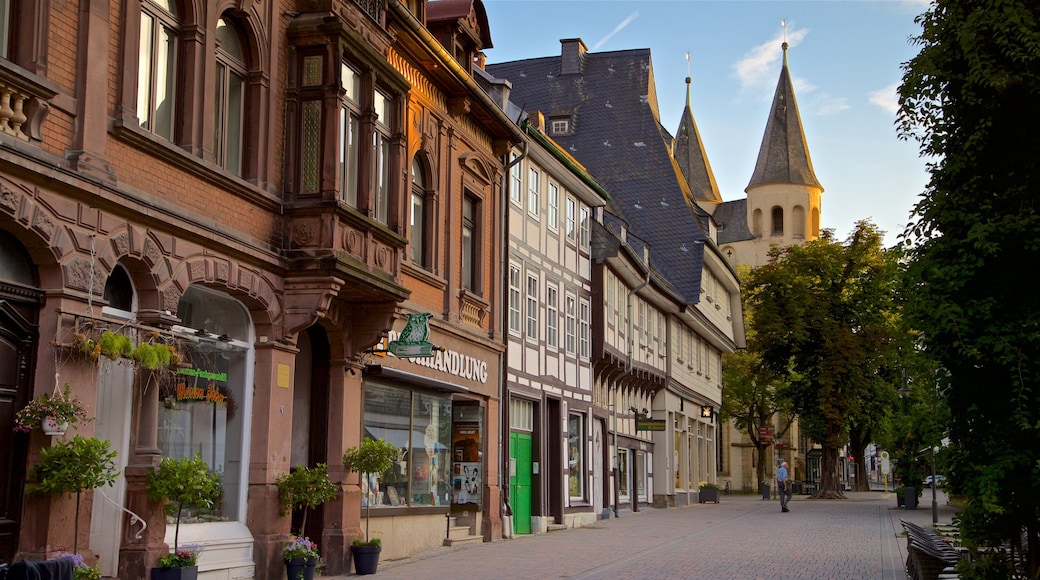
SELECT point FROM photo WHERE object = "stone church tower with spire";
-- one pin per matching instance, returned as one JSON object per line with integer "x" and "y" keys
{"x": 782, "y": 207}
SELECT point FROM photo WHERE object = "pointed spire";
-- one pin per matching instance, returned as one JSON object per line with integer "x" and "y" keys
{"x": 689, "y": 153}
{"x": 784, "y": 154}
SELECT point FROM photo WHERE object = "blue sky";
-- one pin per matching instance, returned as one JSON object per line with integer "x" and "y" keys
{"x": 844, "y": 56}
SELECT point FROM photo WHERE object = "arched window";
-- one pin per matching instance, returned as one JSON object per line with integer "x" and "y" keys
{"x": 815, "y": 222}
{"x": 230, "y": 102}
{"x": 778, "y": 221}
{"x": 119, "y": 290}
{"x": 156, "y": 74}
{"x": 418, "y": 215}
{"x": 756, "y": 223}
{"x": 208, "y": 410}
{"x": 798, "y": 222}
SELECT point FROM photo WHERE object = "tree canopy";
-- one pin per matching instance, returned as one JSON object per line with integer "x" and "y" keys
{"x": 970, "y": 98}
{"x": 825, "y": 315}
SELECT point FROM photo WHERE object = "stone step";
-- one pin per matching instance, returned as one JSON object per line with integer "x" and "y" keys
{"x": 462, "y": 540}
{"x": 555, "y": 527}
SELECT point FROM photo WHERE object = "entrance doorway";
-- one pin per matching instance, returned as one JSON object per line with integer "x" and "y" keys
{"x": 520, "y": 447}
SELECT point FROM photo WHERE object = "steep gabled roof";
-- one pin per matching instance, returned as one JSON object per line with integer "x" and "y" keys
{"x": 689, "y": 153}
{"x": 471, "y": 13}
{"x": 615, "y": 131}
{"x": 784, "y": 154}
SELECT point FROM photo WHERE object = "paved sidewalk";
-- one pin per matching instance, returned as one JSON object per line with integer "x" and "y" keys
{"x": 741, "y": 537}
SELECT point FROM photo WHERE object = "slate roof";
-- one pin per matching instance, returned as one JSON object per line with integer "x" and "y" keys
{"x": 732, "y": 219}
{"x": 689, "y": 152}
{"x": 618, "y": 136}
{"x": 784, "y": 154}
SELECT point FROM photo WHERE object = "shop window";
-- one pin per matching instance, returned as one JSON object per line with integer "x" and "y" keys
{"x": 230, "y": 98}
{"x": 467, "y": 443}
{"x": 576, "y": 455}
{"x": 419, "y": 425}
{"x": 206, "y": 411}
{"x": 157, "y": 67}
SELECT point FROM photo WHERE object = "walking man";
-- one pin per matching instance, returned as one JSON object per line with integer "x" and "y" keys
{"x": 784, "y": 485}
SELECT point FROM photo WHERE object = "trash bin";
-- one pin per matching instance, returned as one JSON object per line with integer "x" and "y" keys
{"x": 909, "y": 498}
{"x": 765, "y": 491}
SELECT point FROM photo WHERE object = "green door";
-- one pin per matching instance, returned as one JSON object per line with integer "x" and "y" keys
{"x": 520, "y": 481}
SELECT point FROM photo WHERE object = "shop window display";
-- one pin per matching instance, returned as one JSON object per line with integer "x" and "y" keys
{"x": 419, "y": 425}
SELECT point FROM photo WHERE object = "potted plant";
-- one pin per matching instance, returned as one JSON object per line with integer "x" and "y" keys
{"x": 708, "y": 492}
{"x": 186, "y": 483}
{"x": 301, "y": 558}
{"x": 81, "y": 570}
{"x": 304, "y": 489}
{"x": 72, "y": 466}
{"x": 372, "y": 456}
{"x": 53, "y": 412}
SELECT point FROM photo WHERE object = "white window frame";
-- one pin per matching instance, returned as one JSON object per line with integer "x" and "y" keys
{"x": 584, "y": 329}
{"x": 570, "y": 325}
{"x": 552, "y": 213}
{"x": 552, "y": 316}
{"x": 584, "y": 229}
{"x": 533, "y": 191}
{"x": 532, "y": 307}
{"x": 514, "y": 298}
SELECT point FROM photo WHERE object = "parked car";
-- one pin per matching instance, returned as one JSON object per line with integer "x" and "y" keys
{"x": 940, "y": 480}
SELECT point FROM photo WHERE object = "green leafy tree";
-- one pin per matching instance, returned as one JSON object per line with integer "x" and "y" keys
{"x": 72, "y": 466}
{"x": 187, "y": 483}
{"x": 826, "y": 314}
{"x": 969, "y": 97}
{"x": 752, "y": 396}
{"x": 304, "y": 489}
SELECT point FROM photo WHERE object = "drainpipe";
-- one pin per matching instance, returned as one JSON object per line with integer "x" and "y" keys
{"x": 503, "y": 364}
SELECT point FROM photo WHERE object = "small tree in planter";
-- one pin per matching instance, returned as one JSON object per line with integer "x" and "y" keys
{"x": 372, "y": 456}
{"x": 305, "y": 488}
{"x": 73, "y": 466}
{"x": 187, "y": 483}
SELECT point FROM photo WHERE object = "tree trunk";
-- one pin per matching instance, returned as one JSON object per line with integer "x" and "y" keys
{"x": 830, "y": 479}
{"x": 858, "y": 446}
{"x": 761, "y": 449}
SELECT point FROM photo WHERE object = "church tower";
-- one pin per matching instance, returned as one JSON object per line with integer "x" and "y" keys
{"x": 689, "y": 154}
{"x": 783, "y": 196}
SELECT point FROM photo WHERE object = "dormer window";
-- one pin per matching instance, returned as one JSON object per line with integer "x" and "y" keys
{"x": 560, "y": 126}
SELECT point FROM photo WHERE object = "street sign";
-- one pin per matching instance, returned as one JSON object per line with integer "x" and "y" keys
{"x": 885, "y": 467}
{"x": 765, "y": 435}
{"x": 650, "y": 424}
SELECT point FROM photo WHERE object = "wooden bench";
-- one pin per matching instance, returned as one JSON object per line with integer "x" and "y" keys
{"x": 928, "y": 555}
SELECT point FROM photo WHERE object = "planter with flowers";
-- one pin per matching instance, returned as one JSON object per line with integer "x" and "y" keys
{"x": 301, "y": 558}
{"x": 303, "y": 489}
{"x": 187, "y": 483}
{"x": 708, "y": 492}
{"x": 53, "y": 412}
{"x": 81, "y": 570}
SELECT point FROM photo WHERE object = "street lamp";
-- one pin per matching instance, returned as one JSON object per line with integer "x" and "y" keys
{"x": 903, "y": 392}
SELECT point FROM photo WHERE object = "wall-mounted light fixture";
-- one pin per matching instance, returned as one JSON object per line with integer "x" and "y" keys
{"x": 707, "y": 411}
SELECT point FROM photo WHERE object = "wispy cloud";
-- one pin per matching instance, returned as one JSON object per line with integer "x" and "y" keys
{"x": 824, "y": 105}
{"x": 758, "y": 68}
{"x": 616, "y": 30}
{"x": 886, "y": 98}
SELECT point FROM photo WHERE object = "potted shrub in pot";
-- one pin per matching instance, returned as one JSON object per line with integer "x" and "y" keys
{"x": 186, "y": 483}
{"x": 708, "y": 492}
{"x": 372, "y": 456}
{"x": 303, "y": 488}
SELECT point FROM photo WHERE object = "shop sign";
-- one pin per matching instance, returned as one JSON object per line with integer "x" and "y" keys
{"x": 411, "y": 342}
{"x": 444, "y": 360}
{"x": 650, "y": 424}
{"x": 210, "y": 393}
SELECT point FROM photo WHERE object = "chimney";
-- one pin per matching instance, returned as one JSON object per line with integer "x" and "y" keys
{"x": 573, "y": 53}
{"x": 481, "y": 60}
{"x": 537, "y": 120}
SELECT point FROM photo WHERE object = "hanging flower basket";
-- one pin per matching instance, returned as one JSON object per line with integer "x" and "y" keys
{"x": 51, "y": 411}
{"x": 52, "y": 427}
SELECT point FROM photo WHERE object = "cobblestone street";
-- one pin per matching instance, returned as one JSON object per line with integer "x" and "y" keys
{"x": 741, "y": 537}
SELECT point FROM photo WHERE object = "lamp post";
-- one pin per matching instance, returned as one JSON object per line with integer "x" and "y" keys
{"x": 903, "y": 391}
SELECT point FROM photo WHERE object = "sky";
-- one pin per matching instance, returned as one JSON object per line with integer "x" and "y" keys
{"x": 844, "y": 56}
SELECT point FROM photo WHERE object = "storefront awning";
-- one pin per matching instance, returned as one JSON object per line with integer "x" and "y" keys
{"x": 392, "y": 374}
